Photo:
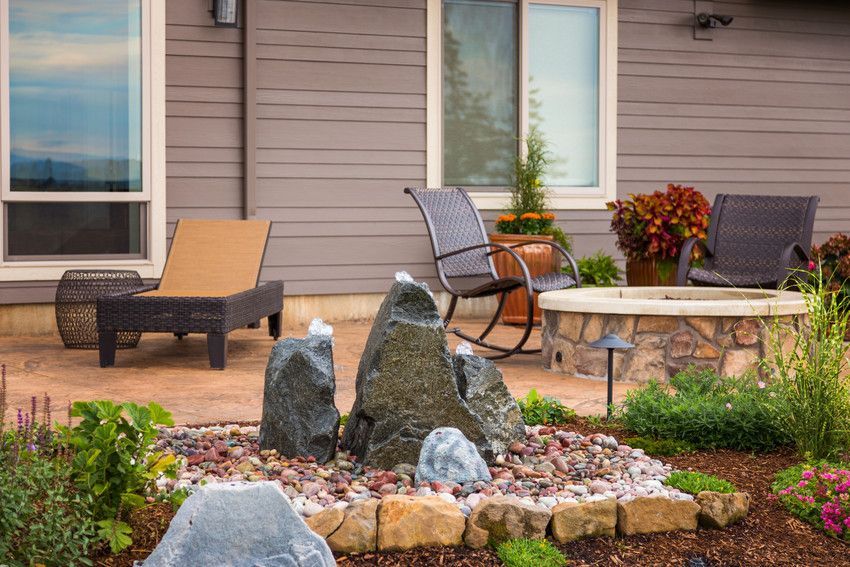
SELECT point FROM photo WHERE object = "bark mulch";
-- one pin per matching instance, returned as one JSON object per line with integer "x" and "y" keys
{"x": 768, "y": 536}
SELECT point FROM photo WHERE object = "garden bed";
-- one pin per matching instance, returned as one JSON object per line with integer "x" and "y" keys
{"x": 769, "y": 535}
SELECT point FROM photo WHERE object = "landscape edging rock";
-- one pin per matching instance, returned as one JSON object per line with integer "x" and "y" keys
{"x": 458, "y": 530}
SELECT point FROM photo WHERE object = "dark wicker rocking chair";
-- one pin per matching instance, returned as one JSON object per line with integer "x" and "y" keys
{"x": 754, "y": 241}
{"x": 463, "y": 257}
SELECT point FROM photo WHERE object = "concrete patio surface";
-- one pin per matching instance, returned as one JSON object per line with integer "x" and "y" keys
{"x": 176, "y": 374}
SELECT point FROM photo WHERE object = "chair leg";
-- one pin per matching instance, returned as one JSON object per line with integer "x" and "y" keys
{"x": 504, "y": 352}
{"x": 179, "y": 336}
{"x": 503, "y": 298}
{"x": 450, "y": 311}
{"x": 107, "y": 343}
{"x": 275, "y": 325}
{"x": 254, "y": 325}
{"x": 217, "y": 349}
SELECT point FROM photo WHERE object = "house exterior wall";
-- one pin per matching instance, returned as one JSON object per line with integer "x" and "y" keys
{"x": 762, "y": 108}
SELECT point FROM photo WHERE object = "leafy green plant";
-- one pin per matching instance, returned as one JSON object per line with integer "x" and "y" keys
{"x": 661, "y": 447}
{"x": 543, "y": 410}
{"x": 707, "y": 411}
{"x": 809, "y": 371}
{"x": 114, "y": 462}
{"x": 598, "y": 270}
{"x": 44, "y": 519}
{"x": 530, "y": 553}
{"x": 817, "y": 493}
{"x": 343, "y": 420}
{"x": 528, "y": 211}
{"x": 696, "y": 482}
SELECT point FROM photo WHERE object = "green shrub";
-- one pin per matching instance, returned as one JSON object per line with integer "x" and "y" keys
{"x": 809, "y": 373}
{"x": 696, "y": 482}
{"x": 113, "y": 461}
{"x": 44, "y": 519}
{"x": 598, "y": 270}
{"x": 343, "y": 420}
{"x": 817, "y": 493}
{"x": 707, "y": 411}
{"x": 530, "y": 553}
{"x": 543, "y": 410}
{"x": 661, "y": 447}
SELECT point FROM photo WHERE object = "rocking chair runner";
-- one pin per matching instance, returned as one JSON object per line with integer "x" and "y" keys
{"x": 463, "y": 254}
{"x": 754, "y": 241}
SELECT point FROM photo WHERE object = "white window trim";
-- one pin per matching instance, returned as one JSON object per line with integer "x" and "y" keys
{"x": 563, "y": 197}
{"x": 153, "y": 160}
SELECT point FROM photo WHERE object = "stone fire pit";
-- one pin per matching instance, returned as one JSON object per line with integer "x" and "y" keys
{"x": 671, "y": 328}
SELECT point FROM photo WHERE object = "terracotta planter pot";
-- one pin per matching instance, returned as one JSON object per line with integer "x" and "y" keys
{"x": 645, "y": 273}
{"x": 540, "y": 259}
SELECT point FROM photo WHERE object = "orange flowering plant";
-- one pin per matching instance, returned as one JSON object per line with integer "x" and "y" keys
{"x": 656, "y": 225}
{"x": 527, "y": 212}
{"x": 526, "y": 223}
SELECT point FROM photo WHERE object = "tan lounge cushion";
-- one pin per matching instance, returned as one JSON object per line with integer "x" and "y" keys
{"x": 213, "y": 258}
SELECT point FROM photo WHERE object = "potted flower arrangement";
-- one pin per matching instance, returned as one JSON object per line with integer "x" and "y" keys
{"x": 833, "y": 256}
{"x": 528, "y": 217}
{"x": 651, "y": 229}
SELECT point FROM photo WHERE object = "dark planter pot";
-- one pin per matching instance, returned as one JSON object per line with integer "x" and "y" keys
{"x": 645, "y": 273}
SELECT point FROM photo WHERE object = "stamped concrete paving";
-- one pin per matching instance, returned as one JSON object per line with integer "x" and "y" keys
{"x": 176, "y": 374}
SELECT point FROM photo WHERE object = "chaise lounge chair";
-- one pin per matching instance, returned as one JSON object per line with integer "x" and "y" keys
{"x": 209, "y": 285}
{"x": 754, "y": 241}
{"x": 463, "y": 257}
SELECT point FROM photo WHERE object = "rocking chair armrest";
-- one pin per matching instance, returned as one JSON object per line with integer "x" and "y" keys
{"x": 685, "y": 258}
{"x": 560, "y": 249}
{"x": 785, "y": 267}
{"x": 501, "y": 247}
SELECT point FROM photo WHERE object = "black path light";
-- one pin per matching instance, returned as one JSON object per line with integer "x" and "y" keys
{"x": 611, "y": 342}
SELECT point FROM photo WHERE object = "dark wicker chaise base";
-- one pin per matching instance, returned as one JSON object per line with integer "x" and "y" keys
{"x": 214, "y": 316}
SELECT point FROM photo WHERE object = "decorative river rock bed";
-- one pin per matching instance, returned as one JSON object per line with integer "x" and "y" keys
{"x": 435, "y": 453}
{"x": 578, "y": 486}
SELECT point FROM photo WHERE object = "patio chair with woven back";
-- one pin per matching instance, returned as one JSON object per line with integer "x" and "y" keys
{"x": 209, "y": 285}
{"x": 753, "y": 241}
{"x": 463, "y": 257}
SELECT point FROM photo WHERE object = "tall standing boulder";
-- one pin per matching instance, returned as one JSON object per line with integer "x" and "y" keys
{"x": 299, "y": 415}
{"x": 241, "y": 525}
{"x": 406, "y": 385}
{"x": 409, "y": 384}
{"x": 481, "y": 385}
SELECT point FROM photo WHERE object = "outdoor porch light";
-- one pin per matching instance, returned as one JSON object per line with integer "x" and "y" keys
{"x": 225, "y": 13}
{"x": 611, "y": 342}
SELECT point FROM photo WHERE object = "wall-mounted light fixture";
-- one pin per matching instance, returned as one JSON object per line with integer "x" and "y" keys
{"x": 225, "y": 13}
{"x": 706, "y": 20}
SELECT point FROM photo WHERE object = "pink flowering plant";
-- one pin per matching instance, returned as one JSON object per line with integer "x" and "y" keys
{"x": 818, "y": 494}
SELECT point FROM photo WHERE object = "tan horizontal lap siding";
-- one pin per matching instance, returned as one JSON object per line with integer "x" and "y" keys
{"x": 204, "y": 113}
{"x": 340, "y": 133}
{"x": 763, "y": 108}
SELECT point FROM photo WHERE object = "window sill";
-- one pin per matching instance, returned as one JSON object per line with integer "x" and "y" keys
{"x": 53, "y": 270}
{"x": 498, "y": 200}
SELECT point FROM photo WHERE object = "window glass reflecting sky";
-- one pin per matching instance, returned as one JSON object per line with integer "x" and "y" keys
{"x": 75, "y": 95}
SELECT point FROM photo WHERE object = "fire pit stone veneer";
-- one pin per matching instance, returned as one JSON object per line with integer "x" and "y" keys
{"x": 671, "y": 328}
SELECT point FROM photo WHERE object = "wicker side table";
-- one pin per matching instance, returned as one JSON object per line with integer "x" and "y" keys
{"x": 76, "y": 305}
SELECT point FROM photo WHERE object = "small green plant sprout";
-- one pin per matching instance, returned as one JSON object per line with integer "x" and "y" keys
{"x": 660, "y": 447}
{"x": 696, "y": 482}
{"x": 598, "y": 270}
{"x": 543, "y": 410}
{"x": 530, "y": 553}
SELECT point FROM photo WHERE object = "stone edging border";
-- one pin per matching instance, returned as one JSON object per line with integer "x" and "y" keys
{"x": 400, "y": 522}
